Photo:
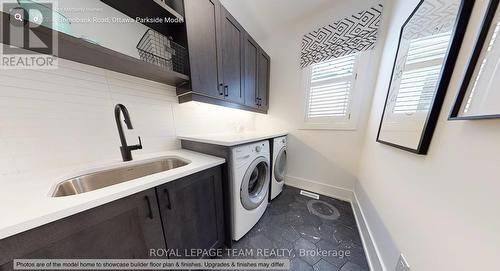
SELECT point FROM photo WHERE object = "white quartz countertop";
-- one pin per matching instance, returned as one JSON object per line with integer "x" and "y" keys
{"x": 25, "y": 201}
{"x": 233, "y": 139}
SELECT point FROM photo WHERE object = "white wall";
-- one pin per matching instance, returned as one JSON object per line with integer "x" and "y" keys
{"x": 118, "y": 36}
{"x": 326, "y": 156}
{"x": 51, "y": 119}
{"x": 441, "y": 209}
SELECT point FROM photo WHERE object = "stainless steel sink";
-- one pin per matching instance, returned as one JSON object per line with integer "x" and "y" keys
{"x": 101, "y": 179}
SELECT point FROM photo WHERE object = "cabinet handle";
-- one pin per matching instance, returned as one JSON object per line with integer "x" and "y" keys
{"x": 219, "y": 89}
{"x": 150, "y": 215}
{"x": 226, "y": 90}
{"x": 167, "y": 195}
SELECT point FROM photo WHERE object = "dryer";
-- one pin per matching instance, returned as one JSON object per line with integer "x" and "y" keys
{"x": 251, "y": 173}
{"x": 278, "y": 166}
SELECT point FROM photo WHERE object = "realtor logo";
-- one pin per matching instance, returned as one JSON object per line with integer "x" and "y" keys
{"x": 27, "y": 39}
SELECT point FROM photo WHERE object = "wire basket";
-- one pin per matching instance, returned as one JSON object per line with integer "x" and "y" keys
{"x": 160, "y": 50}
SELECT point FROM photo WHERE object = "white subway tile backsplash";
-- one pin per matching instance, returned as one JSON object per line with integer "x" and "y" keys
{"x": 57, "y": 76}
{"x": 7, "y": 165}
{"x": 65, "y": 117}
{"x": 121, "y": 80}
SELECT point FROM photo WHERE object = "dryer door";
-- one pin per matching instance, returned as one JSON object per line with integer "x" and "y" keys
{"x": 255, "y": 184}
{"x": 280, "y": 165}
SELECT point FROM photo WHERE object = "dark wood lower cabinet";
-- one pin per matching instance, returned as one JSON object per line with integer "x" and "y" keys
{"x": 191, "y": 217}
{"x": 126, "y": 228}
{"x": 192, "y": 211}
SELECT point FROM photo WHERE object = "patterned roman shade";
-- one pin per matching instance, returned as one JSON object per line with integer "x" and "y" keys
{"x": 344, "y": 37}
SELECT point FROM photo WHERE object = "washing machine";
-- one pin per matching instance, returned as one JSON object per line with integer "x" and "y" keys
{"x": 251, "y": 174}
{"x": 278, "y": 166}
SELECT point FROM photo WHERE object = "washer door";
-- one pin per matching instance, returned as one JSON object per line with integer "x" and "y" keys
{"x": 280, "y": 165}
{"x": 255, "y": 184}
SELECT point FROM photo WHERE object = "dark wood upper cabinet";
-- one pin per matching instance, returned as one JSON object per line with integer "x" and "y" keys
{"x": 204, "y": 51}
{"x": 232, "y": 37}
{"x": 225, "y": 61}
{"x": 257, "y": 68}
{"x": 257, "y": 64}
{"x": 192, "y": 211}
{"x": 263, "y": 79}
{"x": 251, "y": 71}
{"x": 126, "y": 228}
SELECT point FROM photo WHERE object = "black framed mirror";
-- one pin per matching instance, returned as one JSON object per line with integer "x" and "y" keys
{"x": 428, "y": 47}
{"x": 479, "y": 97}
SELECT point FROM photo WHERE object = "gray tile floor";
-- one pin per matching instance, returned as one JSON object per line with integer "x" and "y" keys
{"x": 289, "y": 224}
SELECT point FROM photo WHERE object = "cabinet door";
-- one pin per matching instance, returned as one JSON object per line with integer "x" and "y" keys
{"x": 202, "y": 24}
{"x": 263, "y": 79}
{"x": 232, "y": 37}
{"x": 251, "y": 71}
{"x": 192, "y": 211}
{"x": 126, "y": 229}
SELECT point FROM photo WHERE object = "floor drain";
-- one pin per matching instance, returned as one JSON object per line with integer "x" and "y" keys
{"x": 323, "y": 209}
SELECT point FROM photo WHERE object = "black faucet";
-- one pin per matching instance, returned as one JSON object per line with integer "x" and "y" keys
{"x": 126, "y": 150}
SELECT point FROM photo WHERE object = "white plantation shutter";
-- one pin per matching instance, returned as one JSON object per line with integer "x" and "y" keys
{"x": 421, "y": 74}
{"x": 330, "y": 87}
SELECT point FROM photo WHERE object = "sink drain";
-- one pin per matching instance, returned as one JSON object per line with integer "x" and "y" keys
{"x": 323, "y": 209}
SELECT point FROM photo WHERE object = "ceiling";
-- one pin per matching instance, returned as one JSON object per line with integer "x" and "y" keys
{"x": 283, "y": 12}
{"x": 267, "y": 15}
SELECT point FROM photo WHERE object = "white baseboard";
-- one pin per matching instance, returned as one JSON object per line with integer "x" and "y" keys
{"x": 371, "y": 250}
{"x": 320, "y": 188}
{"x": 382, "y": 246}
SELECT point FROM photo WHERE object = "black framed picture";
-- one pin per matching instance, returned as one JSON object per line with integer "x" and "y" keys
{"x": 479, "y": 94}
{"x": 428, "y": 47}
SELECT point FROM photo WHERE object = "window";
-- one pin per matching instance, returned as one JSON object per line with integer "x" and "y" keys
{"x": 330, "y": 86}
{"x": 420, "y": 76}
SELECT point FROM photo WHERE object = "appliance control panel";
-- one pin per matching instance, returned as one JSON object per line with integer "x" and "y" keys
{"x": 280, "y": 141}
{"x": 245, "y": 151}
